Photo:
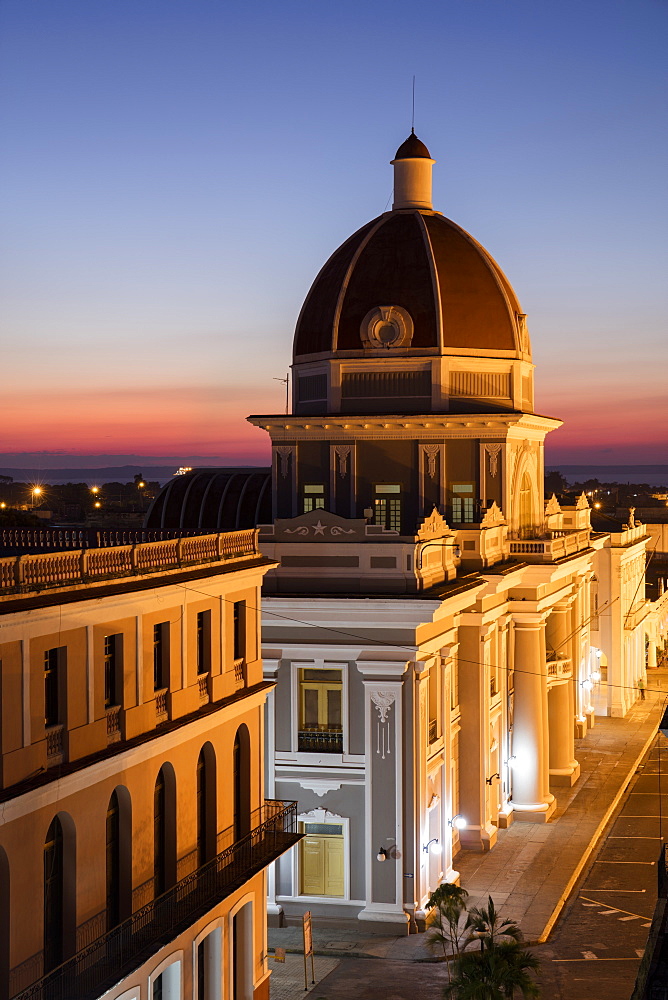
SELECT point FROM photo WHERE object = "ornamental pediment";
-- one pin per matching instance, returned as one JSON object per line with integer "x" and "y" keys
{"x": 552, "y": 506}
{"x": 493, "y": 516}
{"x": 319, "y": 525}
{"x": 434, "y": 526}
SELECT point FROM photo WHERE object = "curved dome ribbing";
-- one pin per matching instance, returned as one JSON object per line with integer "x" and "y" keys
{"x": 204, "y": 500}
{"x": 455, "y": 292}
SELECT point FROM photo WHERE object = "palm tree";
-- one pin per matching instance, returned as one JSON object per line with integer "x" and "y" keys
{"x": 487, "y": 925}
{"x": 494, "y": 974}
{"x": 446, "y": 905}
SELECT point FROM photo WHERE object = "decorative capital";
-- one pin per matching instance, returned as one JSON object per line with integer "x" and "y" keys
{"x": 383, "y": 700}
{"x": 284, "y": 451}
{"x": 342, "y": 453}
{"x": 431, "y": 453}
{"x": 493, "y": 451}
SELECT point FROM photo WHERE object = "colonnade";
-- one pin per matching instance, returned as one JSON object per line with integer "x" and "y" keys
{"x": 543, "y": 730}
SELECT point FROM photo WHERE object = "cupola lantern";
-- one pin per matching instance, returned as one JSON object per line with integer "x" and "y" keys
{"x": 412, "y": 175}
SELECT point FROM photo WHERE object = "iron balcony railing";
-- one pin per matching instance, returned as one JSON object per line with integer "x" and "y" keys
{"x": 320, "y": 740}
{"x": 111, "y": 957}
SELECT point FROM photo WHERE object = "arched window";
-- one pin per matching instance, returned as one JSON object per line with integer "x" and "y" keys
{"x": 206, "y": 805}
{"x": 119, "y": 857}
{"x": 242, "y": 796}
{"x": 526, "y": 517}
{"x": 59, "y": 892}
{"x": 164, "y": 830}
{"x": 5, "y": 924}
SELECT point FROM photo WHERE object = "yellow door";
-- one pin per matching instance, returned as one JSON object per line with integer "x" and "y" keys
{"x": 333, "y": 866}
{"x": 321, "y": 855}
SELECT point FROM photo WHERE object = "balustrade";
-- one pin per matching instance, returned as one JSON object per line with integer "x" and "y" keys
{"x": 161, "y": 705}
{"x": 73, "y": 566}
{"x": 55, "y": 744}
{"x": 113, "y": 724}
{"x": 103, "y": 959}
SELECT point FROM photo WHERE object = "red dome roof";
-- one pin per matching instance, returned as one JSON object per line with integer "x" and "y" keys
{"x": 456, "y": 294}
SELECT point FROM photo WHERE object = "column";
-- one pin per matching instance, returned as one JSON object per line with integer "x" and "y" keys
{"x": 384, "y": 796}
{"x": 532, "y": 800}
{"x": 564, "y": 769}
{"x": 651, "y": 654}
{"x": 480, "y": 833}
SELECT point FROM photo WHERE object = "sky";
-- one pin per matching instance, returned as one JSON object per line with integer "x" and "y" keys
{"x": 175, "y": 173}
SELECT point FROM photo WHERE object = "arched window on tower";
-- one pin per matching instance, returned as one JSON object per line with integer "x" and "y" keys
{"x": 206, "y": 804}
{"x": 526, "y": 516}
{"x": 59, "y": 892}
{"x": 242, "y": 797}
{"x": 164, "y": 830}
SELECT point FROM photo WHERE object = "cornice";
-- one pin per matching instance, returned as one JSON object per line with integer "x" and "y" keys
{"x": 425, "y": 425}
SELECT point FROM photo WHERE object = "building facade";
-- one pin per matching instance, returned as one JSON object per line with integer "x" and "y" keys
{"x": 438, "y": 634}
{"x": 134, "y": 830}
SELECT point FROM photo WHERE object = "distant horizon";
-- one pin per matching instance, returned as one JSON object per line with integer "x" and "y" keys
{"x": 171, "y": 187}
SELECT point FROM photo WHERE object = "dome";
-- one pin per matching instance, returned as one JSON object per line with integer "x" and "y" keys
{"x": 225, "y": 499}
{"x": 454, "y": 296}
{"x": 412, "y": 148}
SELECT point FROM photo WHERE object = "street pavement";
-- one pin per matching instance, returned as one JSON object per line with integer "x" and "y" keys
{"x": 585, "y": 883}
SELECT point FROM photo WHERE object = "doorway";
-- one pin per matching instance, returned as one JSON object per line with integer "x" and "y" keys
{"x": 322, "y": 859}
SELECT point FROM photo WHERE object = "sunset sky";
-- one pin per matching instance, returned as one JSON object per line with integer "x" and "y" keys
{"x": 175, "y": 173}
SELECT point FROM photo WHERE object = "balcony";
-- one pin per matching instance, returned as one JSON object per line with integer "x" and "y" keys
{"x": 98, "y": 966}
{"x": 558, "y": 545}
{"x": 558, "y": 667}
{"x": 324, "y": 739}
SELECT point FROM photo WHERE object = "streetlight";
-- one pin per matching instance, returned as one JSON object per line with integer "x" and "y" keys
{"x": 36, "y": 492}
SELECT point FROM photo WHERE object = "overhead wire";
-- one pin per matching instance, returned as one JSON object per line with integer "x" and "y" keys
{"x": 411, "y": 649}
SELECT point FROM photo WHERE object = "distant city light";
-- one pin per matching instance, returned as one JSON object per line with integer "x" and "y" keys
{"x": 97, "y": 503}
{"x": 141, "y": 483}
{"x": 181, "y": 471}
{"x": 95, "y": 489}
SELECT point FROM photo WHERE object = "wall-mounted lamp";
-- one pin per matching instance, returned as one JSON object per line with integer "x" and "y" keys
{"x": 442, "y": 543}
{"x": 433, "y": 846}
{"x": 492, "y": 777}
{"x": 382, "y": 854}
{"x": 458, "y": 822}
{"x": 586, "y": 685}
{"x": 595, "y": 676}
{"x": 511, "y": 762}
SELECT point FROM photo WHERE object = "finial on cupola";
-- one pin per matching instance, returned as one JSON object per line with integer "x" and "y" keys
{"x": 412, "y": 175}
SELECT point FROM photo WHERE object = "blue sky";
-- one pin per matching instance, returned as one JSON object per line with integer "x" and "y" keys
{"x": 175, "y": 174}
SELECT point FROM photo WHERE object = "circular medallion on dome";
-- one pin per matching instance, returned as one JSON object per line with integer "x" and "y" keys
{"x": 386, "y": 327}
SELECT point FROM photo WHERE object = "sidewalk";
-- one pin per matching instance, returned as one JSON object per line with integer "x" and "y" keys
{"x": 532, "y": 868}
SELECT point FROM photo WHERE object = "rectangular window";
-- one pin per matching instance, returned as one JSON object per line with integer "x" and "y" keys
{"x": 239, "y": 629}
{"x": 434, "y": 713}
{"x": 387, "y": 506}
{"x": 53, "y": 660}
{"x": 203, "y": 642}
{"x": 314, "y": 497}
{"x": 320, "y": 711}
{"x": 463, "y": 507}
{"x": 161, "y": 656}
{"x": 113, "y": 673}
